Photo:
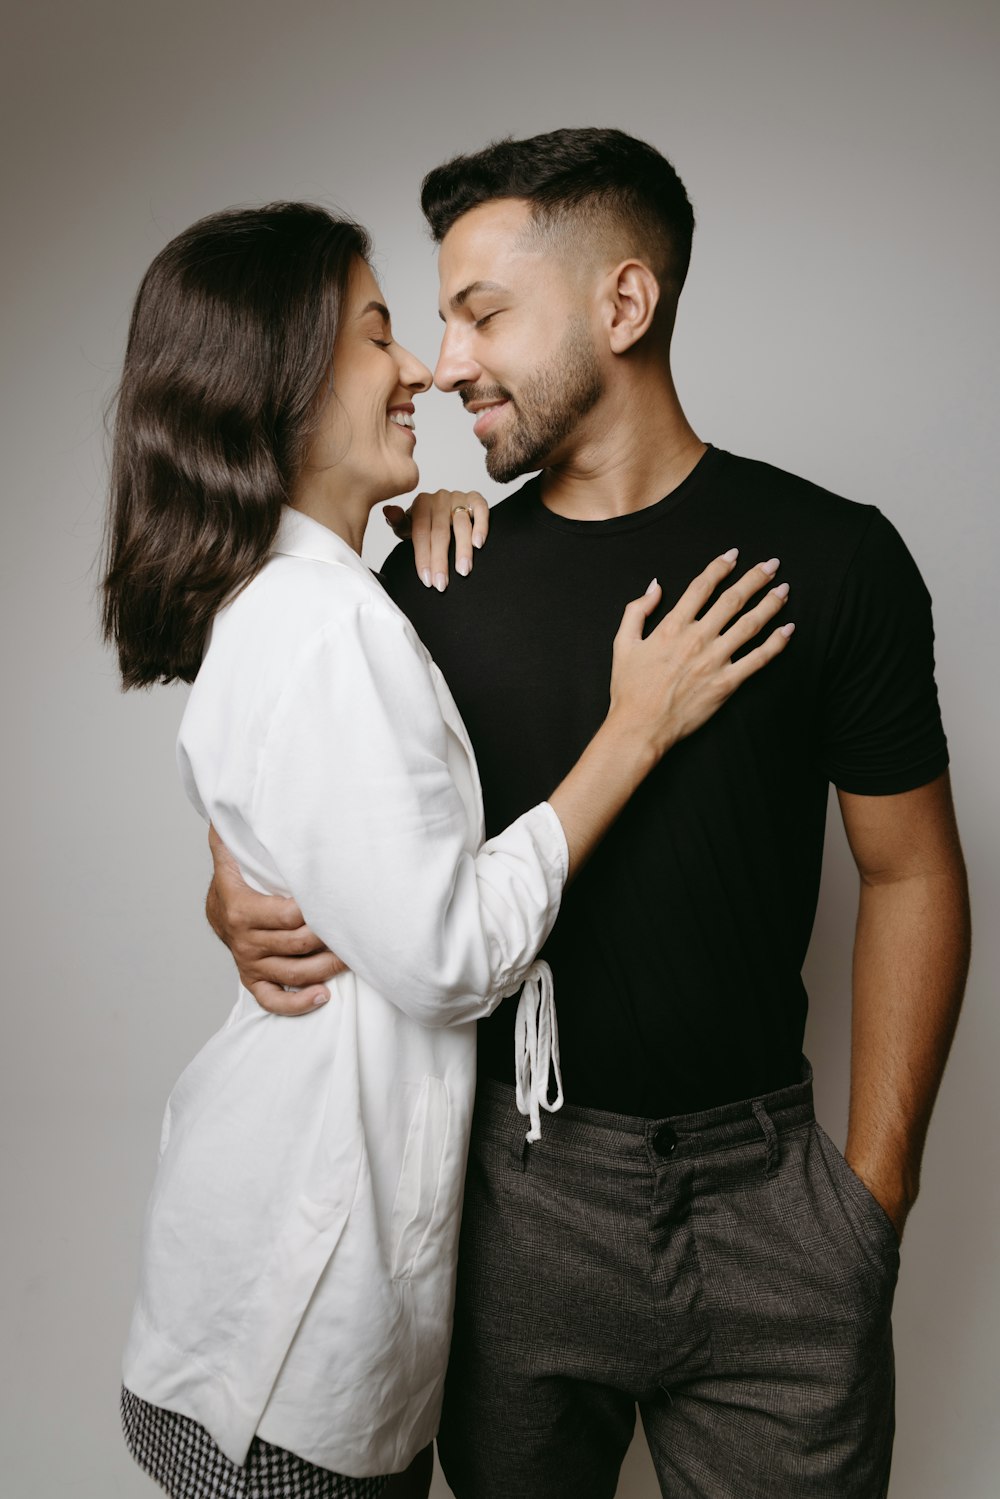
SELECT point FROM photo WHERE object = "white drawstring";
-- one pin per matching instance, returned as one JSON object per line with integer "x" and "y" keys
{"x": 536, "y": 1047}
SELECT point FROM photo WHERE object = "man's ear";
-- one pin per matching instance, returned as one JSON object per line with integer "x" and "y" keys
{"x": 632, "y": 297}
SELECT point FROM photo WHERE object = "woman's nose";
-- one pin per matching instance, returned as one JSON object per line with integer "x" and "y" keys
{"x": 414, "y": 374}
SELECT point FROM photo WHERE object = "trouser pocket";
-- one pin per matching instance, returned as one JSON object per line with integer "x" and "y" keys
{"x": 793, "y": 1254}
{"x": 861, "y": 1204}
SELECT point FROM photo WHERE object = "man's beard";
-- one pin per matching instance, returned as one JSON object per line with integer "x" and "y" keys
{"x": 550, "y": 404}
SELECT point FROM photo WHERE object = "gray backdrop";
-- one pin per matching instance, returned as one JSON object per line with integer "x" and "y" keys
{"x": 840, "y": 321}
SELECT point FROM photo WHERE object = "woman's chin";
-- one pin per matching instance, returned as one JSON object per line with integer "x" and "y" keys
{"x": 400, "y": 482}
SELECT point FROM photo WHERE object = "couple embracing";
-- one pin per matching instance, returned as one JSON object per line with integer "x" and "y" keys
{"x": 572, "y": 799}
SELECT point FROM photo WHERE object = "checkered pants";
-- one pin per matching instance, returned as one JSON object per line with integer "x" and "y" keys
{"x": 184, "y": 1460}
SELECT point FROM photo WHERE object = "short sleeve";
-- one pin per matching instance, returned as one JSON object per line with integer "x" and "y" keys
{"x": 881, "y": 730}
{"x": 356, "y": 805}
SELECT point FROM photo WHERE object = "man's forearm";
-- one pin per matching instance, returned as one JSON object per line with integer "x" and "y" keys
{"x": 910, "y": 961}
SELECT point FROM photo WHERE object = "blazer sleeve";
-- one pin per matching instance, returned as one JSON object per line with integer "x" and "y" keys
{"x": 355, "y": 802}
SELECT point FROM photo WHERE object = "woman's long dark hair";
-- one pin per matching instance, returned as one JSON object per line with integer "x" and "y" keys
{"x": 229, "y": 353}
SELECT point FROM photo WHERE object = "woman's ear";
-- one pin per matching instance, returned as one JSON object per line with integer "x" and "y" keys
{"x": 633, "y": 294}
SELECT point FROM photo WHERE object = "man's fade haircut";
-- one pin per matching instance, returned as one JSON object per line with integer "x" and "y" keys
{"x": 572, "y": 177}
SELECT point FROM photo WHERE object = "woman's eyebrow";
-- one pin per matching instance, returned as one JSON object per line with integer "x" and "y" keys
{"x": 378, "y": 307}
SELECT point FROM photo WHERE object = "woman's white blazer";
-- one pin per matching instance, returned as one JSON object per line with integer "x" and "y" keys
{"x": 299, "y": 1249}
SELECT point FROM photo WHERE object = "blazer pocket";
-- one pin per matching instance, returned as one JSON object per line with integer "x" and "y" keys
{"x": 419, "y": 1176}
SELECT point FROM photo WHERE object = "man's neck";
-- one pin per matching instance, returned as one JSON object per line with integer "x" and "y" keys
{"x": 638, "y": 450}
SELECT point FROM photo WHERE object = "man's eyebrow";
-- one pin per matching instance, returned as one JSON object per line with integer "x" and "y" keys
{"x": 461, "y": 297}
{"x": 378, "y": 307}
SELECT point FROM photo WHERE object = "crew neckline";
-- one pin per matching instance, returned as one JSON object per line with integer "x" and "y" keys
{"x": 636, "y": 519}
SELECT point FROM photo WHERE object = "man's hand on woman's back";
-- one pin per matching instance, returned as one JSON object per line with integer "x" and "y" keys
{"x": 280, "y": 960}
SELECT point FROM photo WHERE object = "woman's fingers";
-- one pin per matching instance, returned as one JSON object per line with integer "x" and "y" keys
{"x": 755, "y": 659}
{"x": 461, "y": 521}
{"x": 698, "y": 592}
{"x": 470, "y": 523}
{"x": 637, "y": 612}
{"x": 398, "y": 520}
{"x": 669, "y": 682}
{"x": 753, "y": 621}
{"x": 434, "y": 568}
{"x": 421, "y": 514}
{"x": 441, "y": 539}
{"x": 480, "y": 519}
{"x": 434, "y": 519}
{"x": 734, "y": 599}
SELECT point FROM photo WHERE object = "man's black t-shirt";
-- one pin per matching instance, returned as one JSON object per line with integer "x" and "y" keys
{"x": 678, "y": 950}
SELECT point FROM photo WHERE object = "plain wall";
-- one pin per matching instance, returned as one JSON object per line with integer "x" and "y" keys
{"x": 840, "y": 321}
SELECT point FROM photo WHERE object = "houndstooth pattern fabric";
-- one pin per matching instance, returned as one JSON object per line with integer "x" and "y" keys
{"x": 184, "y": 1460}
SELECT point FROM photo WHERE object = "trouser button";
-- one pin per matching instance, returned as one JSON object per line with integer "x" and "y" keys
{"x": 665, "y": 1140}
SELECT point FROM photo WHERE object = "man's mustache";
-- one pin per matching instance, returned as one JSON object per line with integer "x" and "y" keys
{"x": 484, "y": 393}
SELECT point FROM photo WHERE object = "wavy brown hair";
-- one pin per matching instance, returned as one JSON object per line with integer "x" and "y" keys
{"x": 228, "y": 357}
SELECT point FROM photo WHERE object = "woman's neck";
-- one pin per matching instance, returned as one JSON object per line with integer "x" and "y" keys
{"x": 347, "y": 518}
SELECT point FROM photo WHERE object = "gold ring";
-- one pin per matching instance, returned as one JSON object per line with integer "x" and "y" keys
{"x": 468, "y": 510}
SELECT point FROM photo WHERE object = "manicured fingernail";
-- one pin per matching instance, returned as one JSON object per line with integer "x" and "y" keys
{"x": 781, "y": 591}
{"x": 787, "y": 630}
{"x": 426, "y": 577}
{"x": 320, "y": 999}
{"x": 463, "y": 566}
{"x": 731, "y": 555}
{"x": 653, "y": 586}
{"x": 440, "y": 582}
{"x": 771, "y": 567}
{"x": 477, "y": 541}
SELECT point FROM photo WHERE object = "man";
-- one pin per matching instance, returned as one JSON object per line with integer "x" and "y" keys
{"x": 683, "y": 1238}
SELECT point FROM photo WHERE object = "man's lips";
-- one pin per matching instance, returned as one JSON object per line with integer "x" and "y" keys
{"x": 489, "y": 414}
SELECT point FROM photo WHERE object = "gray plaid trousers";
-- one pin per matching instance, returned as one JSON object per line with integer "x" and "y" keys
{"x": 724, "y": 1272}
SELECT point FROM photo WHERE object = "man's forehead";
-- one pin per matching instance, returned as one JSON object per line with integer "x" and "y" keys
{"x": 481, "y": 244}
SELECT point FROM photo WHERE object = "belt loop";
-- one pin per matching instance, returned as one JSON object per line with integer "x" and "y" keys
{"x": 770, "y": 1134}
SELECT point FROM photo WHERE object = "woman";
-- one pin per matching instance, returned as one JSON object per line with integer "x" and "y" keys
{"x": 293, "y": 1317}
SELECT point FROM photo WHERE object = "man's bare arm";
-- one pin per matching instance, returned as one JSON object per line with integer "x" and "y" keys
{"x": 269, "y": 940}
{"x": 911, "y": 956}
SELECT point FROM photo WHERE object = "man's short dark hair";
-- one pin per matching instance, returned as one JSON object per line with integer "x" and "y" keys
{"x": 588, "y": 174}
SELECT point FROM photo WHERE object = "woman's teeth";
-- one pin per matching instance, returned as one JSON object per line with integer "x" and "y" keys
{"x": 402, "y": 419}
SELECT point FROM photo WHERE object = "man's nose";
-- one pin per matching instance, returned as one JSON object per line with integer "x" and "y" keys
{"x": 455, "y": 366}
